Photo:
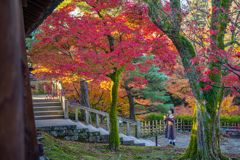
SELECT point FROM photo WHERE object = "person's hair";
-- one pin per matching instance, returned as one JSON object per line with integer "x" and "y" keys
{"x": 172, "y": 110}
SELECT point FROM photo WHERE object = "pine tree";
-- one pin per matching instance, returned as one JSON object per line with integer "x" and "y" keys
{"x": 153, "y": 90}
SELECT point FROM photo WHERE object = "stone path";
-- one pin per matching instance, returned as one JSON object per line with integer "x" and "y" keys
{"x": 228, "y": 145}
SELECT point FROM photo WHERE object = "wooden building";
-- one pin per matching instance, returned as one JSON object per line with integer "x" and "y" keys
{"x": 18, "y": 18}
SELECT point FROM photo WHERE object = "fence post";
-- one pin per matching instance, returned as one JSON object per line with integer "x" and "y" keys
{"x": 44, "y": 89}
{"x": 97, "y": 120}
{"x": 181, "y": 124}
{"x": 149, "y": 124}
{"x": 36, "y": 88}
{"x": 142, "y": 129}
{"x": 76, "y": 114}
{"x": 138, "y": 129}
{"x": 108, "y": 123}
{"x": 87, "y": 117}
{"x": 152, "y": 127}
{"x": 66, "y": 109}
{"x": 145, "y": 128}
{"x": 128, "y": 129}
{"x": 156, "y": 126}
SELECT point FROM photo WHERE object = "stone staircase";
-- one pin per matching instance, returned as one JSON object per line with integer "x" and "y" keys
{"x": 77, "y": 131}
{"x": 47, "y": 108}
{"x": 51, "y": 116}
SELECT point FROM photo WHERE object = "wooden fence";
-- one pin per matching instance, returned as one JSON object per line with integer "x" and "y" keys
{"x": 158, "y": 126}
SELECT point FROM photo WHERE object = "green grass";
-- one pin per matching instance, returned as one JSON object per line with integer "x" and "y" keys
{"x": 58, "y": 149}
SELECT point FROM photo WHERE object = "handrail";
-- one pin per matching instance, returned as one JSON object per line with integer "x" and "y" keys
{"x": 61, "y": 95}
{"x": 87, "y": 115}
{"x": 37, "y": 85}
{"x": 101, "y": 113}
{"x": 41, "y": 81}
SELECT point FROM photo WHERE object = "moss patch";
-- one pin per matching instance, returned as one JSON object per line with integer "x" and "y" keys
{"x": 72, "y": 150}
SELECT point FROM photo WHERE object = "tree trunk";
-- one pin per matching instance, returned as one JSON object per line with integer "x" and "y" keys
{"x": 84, "y": 100}
{"x": 208, "y": 102}
{"x": 192, "y": 147}
{"x": 130, "y": 100}
{"x": 131, "y": 104}
{"x": 114, "y": 141}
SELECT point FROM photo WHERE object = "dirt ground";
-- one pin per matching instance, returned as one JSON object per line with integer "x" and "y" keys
{"x": 228, "y": 145}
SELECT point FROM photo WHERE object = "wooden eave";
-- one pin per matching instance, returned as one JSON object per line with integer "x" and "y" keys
{"x": 36, "y": 11}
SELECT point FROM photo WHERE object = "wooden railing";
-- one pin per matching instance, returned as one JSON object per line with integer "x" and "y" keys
{"x": 56, "y": 91}
{"x": 88, "y": 111}
{"x": 158, "y": 126}
{"x": 37, "y": 83}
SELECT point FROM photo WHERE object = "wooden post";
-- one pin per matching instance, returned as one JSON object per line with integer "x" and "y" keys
{"x": 76, "y": 114}
{"x": 138, "y": 129}
{"x": 44, "y": 89}
{"x": 66, "y": 109}
{"x": 156, "y": 130}
{"x": 149, "y": 126}
{"x": 108, "y": 123}
{"x": 11, "y": 96}
{"x": 128, "y": 129}
{"x": 145, "y": 128}
{"x": 36, "y": 88}
{"x": 87, "y": 117}
{"x": 152, "y": 127}
{"x": 142, "y": 129}
{"x": 160, "y": 126}
{"x": 97, "y": 121}
{"x": 181, "y": 124}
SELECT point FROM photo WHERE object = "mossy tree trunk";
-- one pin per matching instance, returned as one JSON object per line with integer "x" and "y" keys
{"x": 204, "y": 143}
{"x": 114, "y": 141}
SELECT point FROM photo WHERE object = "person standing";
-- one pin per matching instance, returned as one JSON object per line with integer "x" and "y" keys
{"x": 170, "y": 132}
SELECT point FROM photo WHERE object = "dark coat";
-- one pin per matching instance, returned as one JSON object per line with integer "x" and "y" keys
{"x": 170, "y": 122}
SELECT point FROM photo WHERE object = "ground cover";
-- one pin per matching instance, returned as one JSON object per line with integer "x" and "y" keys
{"x": 58, "y": 149}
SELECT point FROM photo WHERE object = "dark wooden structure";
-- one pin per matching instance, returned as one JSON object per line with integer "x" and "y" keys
{"x": 18, "y": 19}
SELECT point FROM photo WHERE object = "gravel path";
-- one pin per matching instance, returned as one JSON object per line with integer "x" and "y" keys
{"x": 228, "y": 145}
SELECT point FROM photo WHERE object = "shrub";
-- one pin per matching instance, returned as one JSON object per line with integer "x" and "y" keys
{"x": 223, "y": 119}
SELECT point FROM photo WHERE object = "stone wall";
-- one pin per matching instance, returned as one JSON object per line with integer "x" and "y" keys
{"x": 75, "y": 134}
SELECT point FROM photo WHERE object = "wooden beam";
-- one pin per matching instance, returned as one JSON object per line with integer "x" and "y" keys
{"x": 11, "y": 103}
{"x": 31, "y": 146}
{"x": 24, "y": 3}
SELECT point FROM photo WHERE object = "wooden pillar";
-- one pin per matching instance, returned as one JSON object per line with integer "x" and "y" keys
{"x": 138, "y": 129}
{"x": 11, "y": 96}
{"x": 87, "y": 117}
{"x": 128, "y": 129}
{"x": 36, "y": 88}
{"x": 76, "y": 114}
{"x": 97, "y": 121}
{"x": 31, "y": 145}
{"x": 65, "y": 108}
{"x": 44, "y": 89}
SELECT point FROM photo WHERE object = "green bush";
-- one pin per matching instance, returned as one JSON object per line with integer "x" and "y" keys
{"x": 223, "y": 119}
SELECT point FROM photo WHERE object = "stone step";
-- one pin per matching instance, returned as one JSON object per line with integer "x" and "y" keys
{"x": 48, "y": 117}
{"x": 38, "y": 104}
{"x": 127, "y": 142}
{"x": 52, "y": 112}
{"x": 47, "y": 108}
{"x": 45, "y": 100}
